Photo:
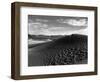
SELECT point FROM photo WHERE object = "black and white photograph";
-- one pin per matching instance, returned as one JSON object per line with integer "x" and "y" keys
{"x": 57, "y": 40}
{"x": 53, "y": 40}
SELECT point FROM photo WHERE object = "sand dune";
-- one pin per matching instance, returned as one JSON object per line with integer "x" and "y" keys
{"x": 67, "y": 50}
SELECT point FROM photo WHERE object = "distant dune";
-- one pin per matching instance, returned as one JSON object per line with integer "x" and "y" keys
{"x": 44, "y": 37}
{"x": 66, "y": 50}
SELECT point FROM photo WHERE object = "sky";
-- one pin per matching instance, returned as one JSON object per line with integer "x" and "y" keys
{"x": 57, "y": 25}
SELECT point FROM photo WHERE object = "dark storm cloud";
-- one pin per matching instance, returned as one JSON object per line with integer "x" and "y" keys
{"x": 55, "y": 25}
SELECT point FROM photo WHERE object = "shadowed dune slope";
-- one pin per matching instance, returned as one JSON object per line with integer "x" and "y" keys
{"x": 66, "y": 50}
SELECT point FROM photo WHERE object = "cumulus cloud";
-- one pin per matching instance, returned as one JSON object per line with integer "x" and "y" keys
{"x": 81, "y": 22}
{"x": 37, "y": 25}
{"x": 74, "y": 22}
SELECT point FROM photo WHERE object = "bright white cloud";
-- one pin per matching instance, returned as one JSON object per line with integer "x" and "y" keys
{"x": 81, "y": 22}
{"x": 81, "y": 31}
{"x": 62, "y": 20}
{"x": 73, "y": 22}
{"x": 37, "y": 25}
{"x": 36, "y": 29}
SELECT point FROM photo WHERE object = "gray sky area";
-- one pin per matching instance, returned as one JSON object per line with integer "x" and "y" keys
{"x": 57, "y": 25}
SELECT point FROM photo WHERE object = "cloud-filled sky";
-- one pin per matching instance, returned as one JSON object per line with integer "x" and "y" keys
{"x": 56, "y": 25}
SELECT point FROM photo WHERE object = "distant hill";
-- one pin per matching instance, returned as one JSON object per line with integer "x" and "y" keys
{"x": 44, "y": 37}
{"x": 65, "y": 50}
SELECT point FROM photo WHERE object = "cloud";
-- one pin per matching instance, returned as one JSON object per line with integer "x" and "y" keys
{"x": 51, "y": 25}
{"x": 42, "y": 20}
{"x": 73, "y": 22}
{"x": 62, "y": 20}
{"x": 37, "y": 25}
{"x": 66, "y": 31}
{"x": 81, "y": 22}
{"x": 36, "y": 29}
{"x": 81, "y": 31}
